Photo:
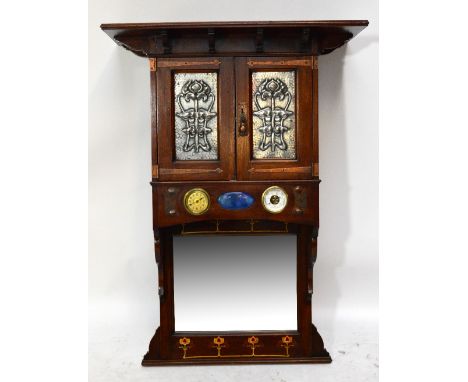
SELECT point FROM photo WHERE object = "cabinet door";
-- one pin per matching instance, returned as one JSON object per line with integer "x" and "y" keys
{"x": 195, "y": 118}
{"x": 274, "y": 118}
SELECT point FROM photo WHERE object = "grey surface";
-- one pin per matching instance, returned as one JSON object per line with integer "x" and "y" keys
{"x": 235, "y": 283}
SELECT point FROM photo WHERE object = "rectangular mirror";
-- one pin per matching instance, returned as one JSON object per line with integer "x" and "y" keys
{"x": 228, "y": 283}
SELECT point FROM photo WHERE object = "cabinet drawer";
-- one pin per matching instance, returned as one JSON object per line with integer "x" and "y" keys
{"x": 172, "y": 201}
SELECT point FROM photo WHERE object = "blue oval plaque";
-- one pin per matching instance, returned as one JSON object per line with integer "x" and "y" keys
{"x": 235, "y": 200}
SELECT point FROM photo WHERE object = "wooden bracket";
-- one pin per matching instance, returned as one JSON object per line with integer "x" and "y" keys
{"x": 157, "y": 246}
{"x": 166, "y": 44}
{"x": 259, "y": 40}
{"x": 211, "y": 40}
{"x": 305, "y": 40}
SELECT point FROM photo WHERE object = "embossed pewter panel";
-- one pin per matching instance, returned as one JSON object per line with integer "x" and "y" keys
{"x": 196, "y": 116}
{"x": 274, "y": 115}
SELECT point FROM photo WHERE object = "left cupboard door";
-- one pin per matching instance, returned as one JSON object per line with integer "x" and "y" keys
{"x": 195, "y": 119}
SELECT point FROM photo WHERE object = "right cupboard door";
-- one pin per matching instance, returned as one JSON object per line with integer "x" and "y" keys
{"x": 275, "y": 118}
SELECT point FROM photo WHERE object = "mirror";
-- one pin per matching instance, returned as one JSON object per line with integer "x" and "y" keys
{"x": 227, "y": 283}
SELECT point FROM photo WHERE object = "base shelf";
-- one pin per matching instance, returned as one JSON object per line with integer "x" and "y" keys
{"x": 234, "y": 361}
{"x": 228, "y": 348}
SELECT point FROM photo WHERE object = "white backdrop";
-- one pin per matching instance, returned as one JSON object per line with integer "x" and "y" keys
{"x": 122, "y": 273}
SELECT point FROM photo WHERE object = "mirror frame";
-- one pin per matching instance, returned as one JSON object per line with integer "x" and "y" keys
{"x": 303, "y": 345}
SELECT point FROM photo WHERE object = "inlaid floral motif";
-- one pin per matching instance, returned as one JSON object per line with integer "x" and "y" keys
{"x": 219, "y": 343}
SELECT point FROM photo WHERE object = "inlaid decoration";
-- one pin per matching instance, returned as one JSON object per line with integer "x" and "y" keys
{"x": 274, "y": 115}
{"x": 196, "y": 116}
{"x": 253, "y": 342}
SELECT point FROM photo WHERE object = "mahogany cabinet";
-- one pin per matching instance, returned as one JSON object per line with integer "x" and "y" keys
{"x": 235, "y": 151}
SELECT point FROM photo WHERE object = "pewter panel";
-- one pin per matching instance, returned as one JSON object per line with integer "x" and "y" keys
{"x": 274, "y": 115}
{"x": 196, "y": 116}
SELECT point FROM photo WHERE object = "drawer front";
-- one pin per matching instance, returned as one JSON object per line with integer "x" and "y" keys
{"x": 179, "y": 203}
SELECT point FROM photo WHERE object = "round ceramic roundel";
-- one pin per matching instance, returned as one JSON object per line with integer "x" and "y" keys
{"x": 197, "y": 201}
{"x": 274, "y": 199}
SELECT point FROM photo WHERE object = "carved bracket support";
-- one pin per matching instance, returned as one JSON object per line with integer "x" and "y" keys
{"x": 157, "y": 252}
{"x": 211, "y": 40}
{"x": 305, "y": 41}
{"x": 166, "y": 42}
{"x": 259, "y": 40}
{"x": 311, "y": 263}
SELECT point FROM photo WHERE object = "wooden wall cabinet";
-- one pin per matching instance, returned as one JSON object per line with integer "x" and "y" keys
{"x": 235, "y": 151}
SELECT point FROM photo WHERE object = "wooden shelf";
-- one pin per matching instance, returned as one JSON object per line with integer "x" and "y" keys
{"x": 244, "y": 38}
